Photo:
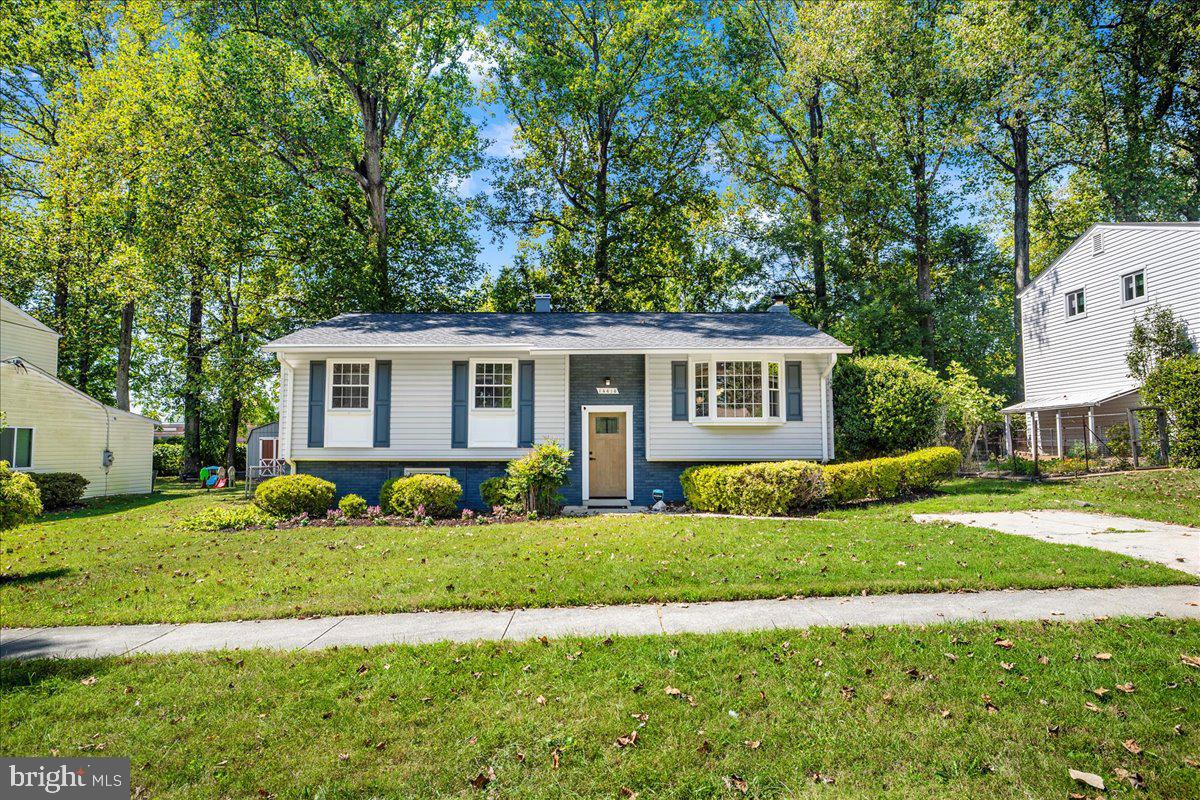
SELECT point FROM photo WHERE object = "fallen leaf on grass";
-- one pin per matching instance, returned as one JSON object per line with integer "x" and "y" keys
{"x": 1102, "y": 656}
{"x": 555, "y": 755}
{"x": 819, "y": 778}
{"x": 1127, "y": 688}
{"x": 1005, "y": 643}
{"x": 1133, "y": 778}
{"x": 987, "y": 704}
{"x": 1132, "y": 746}
{"x": 484, "y": 778}
{"x": 946, "y": 713}
{"x": 1087, "y": 778}
{"x": 1191, "y": 661}
{"x": 1007, "y": 666}
{"x": 1100, "y": 692}
{"x": 1043, "y": 659}
{"x": 628, "y": 793}
{"x": 89, "y": 680}
{"x": 752, "y": 744}
{"x": 951, "y": 656}
{"x": 541, "y": 700}
{"x": 735, "y": 782}
{"x": 705, "y": 747}
{"x": 626, "y": 741}
{"x": 673, "y": 692}
{"x": 1090, "y": 706}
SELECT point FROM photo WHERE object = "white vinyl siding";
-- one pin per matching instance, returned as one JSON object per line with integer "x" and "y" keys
{"x": 1087, "y": 352}
{"x": 420, "y": 413}
{"x": 23, "y": 337}
{"x": 70, "y": 433}
{"x": 682, "y": 440}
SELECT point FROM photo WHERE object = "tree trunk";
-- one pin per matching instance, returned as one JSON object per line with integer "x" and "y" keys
{"x": 370, "y": 172}
{"x": 194, "y": 366}
{"x": 233, "y": 429}
{"x": 235, "y": 399}
{"x": 124, "y": 356}
{"x": 603, "y": 300}
{"x": 1020, "y": 143}
{"x": 922, "y": 223}
{"x": 816, "y": 131}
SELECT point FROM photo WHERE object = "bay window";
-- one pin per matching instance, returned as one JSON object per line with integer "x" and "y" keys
{"x": 741, "y": 390}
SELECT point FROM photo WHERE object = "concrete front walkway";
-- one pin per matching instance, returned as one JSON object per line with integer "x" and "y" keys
{"x": 743, "y": 615}
{"x": 1176, "y": 546}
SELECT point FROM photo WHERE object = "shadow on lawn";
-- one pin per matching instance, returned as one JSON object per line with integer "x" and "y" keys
{"x": 131, "y": 502}
{"x": 21, "y": 578}
{"x": 17, "y": 675}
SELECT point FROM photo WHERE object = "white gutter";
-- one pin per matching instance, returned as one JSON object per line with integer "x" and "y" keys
{"x": 826, "y": 444}
{"x": 517, "y": 347}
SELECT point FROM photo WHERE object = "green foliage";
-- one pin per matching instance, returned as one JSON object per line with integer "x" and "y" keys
{"x": 59, "y": 490}
{"x": 19, "y": 499}
{"x": 1156, "y": 337}
{"x": 291, "y": 495}
{"x": 353, "y": 506}
{"x": 888, "y": 478}
{"x": 534, "y": 480}
{"x": 969, "y": 406}
{"x": 495, "y": 492}
{"x": 385, "y": 495}
{"x": 227, "y": 518}
{"x": 886, "y": 404}
{"x": 438, "y": 495}
{"x": 168, "y": 458}
{"x": 763, "y": 489}
{"x": 1118, "y": 440}
{"x": 1174, "y": 385}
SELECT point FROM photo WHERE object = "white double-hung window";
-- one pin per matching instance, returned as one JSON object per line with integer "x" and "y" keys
{"x": 733, "y": 391}
{"x": 493, "y": 385}
{"x": 492, "y": 408}
{"x": 350, "y": 386}
{"x": 349, "y": 403}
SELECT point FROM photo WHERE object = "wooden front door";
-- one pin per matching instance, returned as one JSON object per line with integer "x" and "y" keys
{"x": 606, "y": 456}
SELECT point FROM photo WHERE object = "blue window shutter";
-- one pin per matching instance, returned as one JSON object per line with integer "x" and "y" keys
{"x": 525, "y": 404}
{"x": 795, "y": 406}
{"x": 316, "y": 404}
{"x": 679, "y": 390}
{"x": 383, "y": 403}
{"x": 458, "y": 405}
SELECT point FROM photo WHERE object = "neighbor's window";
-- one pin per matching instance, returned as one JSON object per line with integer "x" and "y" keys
{"x": 1075, "y": 305}
{"x": 1133, "y": 286}
{"x": 16, "y": 447}
{"x": 350, "y": 387}
{"x": 494, "y": 385}
{"x": 701, "y": 402}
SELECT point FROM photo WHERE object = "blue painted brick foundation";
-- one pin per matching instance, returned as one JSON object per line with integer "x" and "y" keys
{"x": 365, "y": 478}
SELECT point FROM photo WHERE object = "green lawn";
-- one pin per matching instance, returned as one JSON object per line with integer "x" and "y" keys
{"x": 883, "y": 713}
{"x": 1164, "y": 495}
{"x": 127, "y": 561}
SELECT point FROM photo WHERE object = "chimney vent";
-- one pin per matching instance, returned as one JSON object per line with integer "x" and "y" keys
{"x": 541, "y": 303}
{"x": 780, "y": 306}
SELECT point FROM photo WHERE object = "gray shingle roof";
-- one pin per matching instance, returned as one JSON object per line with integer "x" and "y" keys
{"x": 564, "y": 331}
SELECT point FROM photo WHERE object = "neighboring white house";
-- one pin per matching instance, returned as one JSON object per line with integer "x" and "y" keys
{"x": 1077, "y": 317}
{"x": 637, "y": 397}
{"x": 49, "y": 426}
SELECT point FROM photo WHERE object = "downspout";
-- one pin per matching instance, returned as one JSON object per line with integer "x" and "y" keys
{"x": 826, "y": 444}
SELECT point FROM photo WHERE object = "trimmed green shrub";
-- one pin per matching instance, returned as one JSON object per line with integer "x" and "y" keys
{"x": 225, "y": 518}
{"x": 59, "y": 490}
{"x": 385, "y": 496}
{"x": 886, "y": 404}
{"x": 19, "y": 499}
{"x": 438, "y": 494}
{"x": 495, "y": 492}
{"x": 353, "y": 506}
{"x": 885, "y": 478}
{"x": 762, "y": 489}
{"x": 168, "y": 458}
{"x": 534, "y": 480}
{"x": 289, "y": 495}
{"x": 1174, "y": 385}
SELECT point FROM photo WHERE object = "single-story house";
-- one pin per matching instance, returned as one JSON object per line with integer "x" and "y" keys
{"x": 637, "y": 397}
{"x": 50, "y": 426}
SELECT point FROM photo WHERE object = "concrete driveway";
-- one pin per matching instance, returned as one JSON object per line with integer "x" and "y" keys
{"x": 1175, "y": 546}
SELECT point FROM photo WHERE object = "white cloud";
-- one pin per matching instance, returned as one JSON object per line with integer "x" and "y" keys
{"x": 503, "y": 137}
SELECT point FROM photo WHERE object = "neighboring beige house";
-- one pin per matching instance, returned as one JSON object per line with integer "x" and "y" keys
{"x": 1077, "y": 317}
{"x": 49, "y": 426}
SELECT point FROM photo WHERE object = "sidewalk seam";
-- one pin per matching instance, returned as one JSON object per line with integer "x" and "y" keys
{"x": 339, "y": 621}
{"x": 172, "y": 629}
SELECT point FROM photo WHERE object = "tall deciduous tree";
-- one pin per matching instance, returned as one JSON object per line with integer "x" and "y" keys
{"x": 379, "y": 103}
{"x": 613, "y": 120}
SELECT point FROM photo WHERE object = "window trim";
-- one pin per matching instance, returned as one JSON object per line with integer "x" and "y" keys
{"x": 370, "y": 409}
{"x": 1067, "y": 304}
{"x": 1137, "y": 300}
{"x": 516, "y": 379}
{"x": 712, "y": 418}
{"x": 12, "y": 462}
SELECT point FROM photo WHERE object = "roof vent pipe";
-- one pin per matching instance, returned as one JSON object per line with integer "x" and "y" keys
{"x": 780, "y": 306}
{"x": 541, "y": 303}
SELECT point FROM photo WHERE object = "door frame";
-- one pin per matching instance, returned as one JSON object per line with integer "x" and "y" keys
{"x": 584, "y": 413}
{"x": 262, "y": 439}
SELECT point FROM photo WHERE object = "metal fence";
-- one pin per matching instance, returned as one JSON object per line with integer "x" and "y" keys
{"x": 1071, "y": 442}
